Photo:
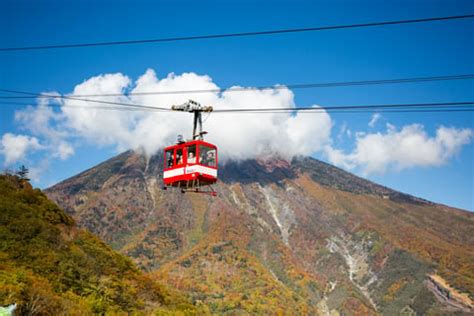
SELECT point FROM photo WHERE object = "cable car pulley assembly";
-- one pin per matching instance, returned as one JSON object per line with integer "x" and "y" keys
{"x": 191, "y": 165}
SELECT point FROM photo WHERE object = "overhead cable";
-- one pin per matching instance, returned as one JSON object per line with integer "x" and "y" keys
{"x": 347, "y": 109}
{"x": 54, "y": 96}
{"x": 274, "y": 87}
{"x": 239, "y": 34}
{"x": 466, "y": 106}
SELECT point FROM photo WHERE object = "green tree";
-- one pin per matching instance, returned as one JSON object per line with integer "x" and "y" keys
{"x": 23, "y": 173}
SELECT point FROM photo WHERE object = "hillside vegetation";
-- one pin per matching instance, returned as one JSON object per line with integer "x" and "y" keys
{"x": 50, "y": 267}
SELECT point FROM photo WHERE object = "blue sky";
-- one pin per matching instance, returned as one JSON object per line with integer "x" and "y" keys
{"x": 430, "y": 49}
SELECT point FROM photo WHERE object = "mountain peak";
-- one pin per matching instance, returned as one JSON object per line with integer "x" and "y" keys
{"x": 270, "y": 164}
{"x": 301, "y": 229}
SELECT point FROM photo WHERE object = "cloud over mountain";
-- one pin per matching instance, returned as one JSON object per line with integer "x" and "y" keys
{"x": 401, "y": 149}
{"x": 239, "y": 136}
{"x": 61, "y": 124}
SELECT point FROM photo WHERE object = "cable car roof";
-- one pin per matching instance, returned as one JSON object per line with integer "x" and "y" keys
{"x": 191, "y": 142}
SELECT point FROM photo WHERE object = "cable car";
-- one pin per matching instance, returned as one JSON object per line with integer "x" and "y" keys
{"x": 191, "y": 165}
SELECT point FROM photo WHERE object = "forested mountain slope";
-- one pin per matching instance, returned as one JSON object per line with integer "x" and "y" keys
{"x": 48, "y": 266}
{"x": 299, "y": 237}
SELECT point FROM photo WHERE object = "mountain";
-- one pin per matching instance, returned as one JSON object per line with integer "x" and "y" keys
{"x": 48, "y": 266}
{"x": 299, "y": 237}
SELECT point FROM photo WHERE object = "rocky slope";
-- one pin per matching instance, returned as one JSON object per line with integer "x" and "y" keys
{"x": 300, "y": 237}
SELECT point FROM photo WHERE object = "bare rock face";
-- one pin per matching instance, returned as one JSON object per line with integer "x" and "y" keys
{"x": 299, "y": 237}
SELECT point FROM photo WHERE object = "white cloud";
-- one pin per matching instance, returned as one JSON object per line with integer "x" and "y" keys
{"x": 15, "y": 147}
{"x": 40, "y": 120}
{"x": 410, "y": 147}
{"x": 35, "y": 171}
{"x": 344, "y": 131}
{"x": 374, "y": 119}
{"x": 63, "y": 151}
{"x": 237, "y": 135}
{"x": 338, "y": 157}
{"x": 49, "y": 125}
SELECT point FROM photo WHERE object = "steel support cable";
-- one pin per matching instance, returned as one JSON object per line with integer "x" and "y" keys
{"x": 413, "y": 107}
{"x": 374, "y": 110}
{"x": 268, "y": 110}
{"x": 352, "y": 109}
{"x": 368, "y": 111}
{"x": 52, "y": 96}
{"x": 372, "y": 106}
{"x": 151, "y": 109}
{"x": 240, "y": 34}
{"x": 275, "y": 87}
{"x": 91, "y": 107}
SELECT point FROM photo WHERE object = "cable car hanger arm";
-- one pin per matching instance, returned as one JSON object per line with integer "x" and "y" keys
{"x": 195, "y": 108}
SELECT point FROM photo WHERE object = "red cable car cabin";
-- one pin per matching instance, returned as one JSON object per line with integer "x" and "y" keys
{"x": 190, "y": 164}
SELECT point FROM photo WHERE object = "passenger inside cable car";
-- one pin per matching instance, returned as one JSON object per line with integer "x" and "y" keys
{"x": 191, "y": 154}
{"x": 208, "y": 156}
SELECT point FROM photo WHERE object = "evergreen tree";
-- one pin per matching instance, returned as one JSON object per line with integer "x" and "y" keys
{"x": 23, "y": 173}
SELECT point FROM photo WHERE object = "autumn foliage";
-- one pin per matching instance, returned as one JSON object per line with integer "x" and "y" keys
{"x": 50, "y": 267}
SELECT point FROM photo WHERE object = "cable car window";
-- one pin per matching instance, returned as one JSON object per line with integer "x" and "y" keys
{"x": 207, "y": 155}
{"x": 179, "y": 156}
{"x": 169, "y": 161}
{"x": 192, "y": 154}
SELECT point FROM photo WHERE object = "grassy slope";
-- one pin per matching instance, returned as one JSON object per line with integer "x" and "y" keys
{"x": 50, "y": 267}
